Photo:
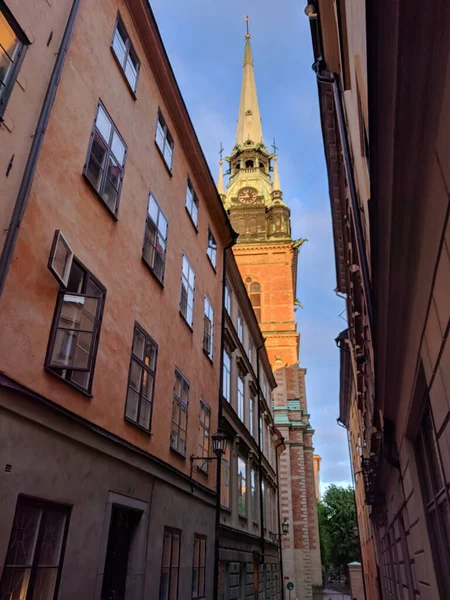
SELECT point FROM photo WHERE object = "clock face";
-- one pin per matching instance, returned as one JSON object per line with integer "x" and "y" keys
{"x": 247, "y": 195}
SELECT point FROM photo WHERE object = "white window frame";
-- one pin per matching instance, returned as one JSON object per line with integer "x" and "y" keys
{"x": 187, "y": 291}
{"x": 192, "y": 203}
{"x": 208, "y": 316}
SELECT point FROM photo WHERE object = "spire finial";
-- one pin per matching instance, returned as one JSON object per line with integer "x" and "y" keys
{"x": 274, "y": 146}
{"x": 220, "y": 185}
{"x": 247, "y": 35}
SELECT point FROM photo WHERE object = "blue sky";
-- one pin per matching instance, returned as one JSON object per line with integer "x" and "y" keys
{"x": 205, "y": 43}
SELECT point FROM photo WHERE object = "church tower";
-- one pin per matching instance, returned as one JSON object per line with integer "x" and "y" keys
{"x": 267, "y": 256}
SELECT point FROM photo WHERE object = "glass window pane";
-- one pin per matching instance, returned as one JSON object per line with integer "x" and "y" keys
{"x": 24, "y": 535}
{"x": 52, "y": 533}
{"x": 160, "y": 135}
{"x": 131, "y": 73}
{"x": 131, "y": 409}
{"x": 103, "y": 124}
{"x": 168, "y": 154}
{"x": 118, "y": 148}
{"x": 14, "y": 583}
{"x": 119, "y": 46}
{"x": 44, "y": 586}
{"x": 138, "y": 344}
{"x": 144, "y": 416}
{"x": 110, "y": 195}
{"x": 135, "y": 376}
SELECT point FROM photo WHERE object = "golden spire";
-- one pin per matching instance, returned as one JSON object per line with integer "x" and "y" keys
{"x": 220, "y": 186}
{"x": 249, "y": 120}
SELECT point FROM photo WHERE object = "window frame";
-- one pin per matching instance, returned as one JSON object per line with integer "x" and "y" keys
{"x": 201, "y": 592}
{"x": 182, "y": 406}
{"x": 241, "y": 398}
{"x": 193, "y": 202}
{"x": 145, "y": 368}
{"x": 24, "y": 43}
{"x": 225, "y": 465}
{"x": 211, "y": 249}
{"x": 242, "y": 489}
{"x": 114, "y": 213}
{"x": 208, "y": 341}
{"x": 171, "y": 531}
{"x": 253, "y": 494}
{"x": 168, "y": 137}
{"x": 188, "y": 288}
{"x": 129, "y": 50}
{"x": 158, "y": 237}
{"x": 54, "y": 327}
{"x": 227, "y": 298}
{"x": 49, "y": 506}
{"x": 204, "y": 433}
{"x": 251, "y": 424}
{"x": 226, "y": 370}
{"x": 240, "y": 328}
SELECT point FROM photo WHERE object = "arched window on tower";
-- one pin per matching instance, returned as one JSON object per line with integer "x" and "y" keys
{"x": 249, "y": 164}
{"x": 254, "y": 293}
{"x": 241, "y": 226}
{"x": 252, "y": 225}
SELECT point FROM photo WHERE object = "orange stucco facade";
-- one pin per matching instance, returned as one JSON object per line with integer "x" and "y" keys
{"x": 64, "y": 447}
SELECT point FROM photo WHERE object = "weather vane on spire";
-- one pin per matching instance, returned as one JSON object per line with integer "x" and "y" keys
{"x": 246, "y": 22}
{"x": 221, "y": 151}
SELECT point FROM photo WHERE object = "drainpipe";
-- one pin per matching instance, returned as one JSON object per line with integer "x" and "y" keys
{"x": 220, "y": 427}
{"x": 38, "y": 138}
{"x": 280, "y": 531}
{"x": 261, "y": 503}
{"x": 332, "y": 80}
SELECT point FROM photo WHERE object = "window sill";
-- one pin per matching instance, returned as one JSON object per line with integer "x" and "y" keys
{"x": 225, "y": 508}
{"x": 242, "y": 518}
{"x": 161, "y": 283}
{"x": 191, "y": 328}
{"x": 169, "y": 169}
{"x": 69, "y": 383}
{"x": 95, "y": 192}
{"x": 130, "y": 89}
{"x": 180, "y": 454}
{"x": 134, "y": 424}
{"x": 208, "y": 356}
{"x": 190, "y": 218}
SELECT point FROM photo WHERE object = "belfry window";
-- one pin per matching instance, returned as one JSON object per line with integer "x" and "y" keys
{"x": 249, "y": 164}
{"x": 254, "y": 293}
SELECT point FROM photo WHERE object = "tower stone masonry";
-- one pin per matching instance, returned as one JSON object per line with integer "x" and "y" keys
{"x": 267, "y": 257}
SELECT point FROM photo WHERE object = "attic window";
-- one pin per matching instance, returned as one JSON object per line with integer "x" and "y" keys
{"x": 249, "y": 164}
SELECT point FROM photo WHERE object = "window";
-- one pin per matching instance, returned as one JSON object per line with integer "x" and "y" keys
{"x": 250, "y": 351}
{"x": 265, "y": 389}
{"x": 192, "y": 203}
{"x": 225, "y": 478}
{"x": 260, "y": 432}
{"x": 35, "y": 552}
{"x": 241, "y": 226}
{"x": 61, "y": 257}
{"x": 179, "y": 413}
{"x": 199, "y": 567}
{"x": 436, "y": 499}
{"x": 226, "y": 375}
{"x": 253, "y": 494}
{"x": 240, "y": 329}
{"x": 263, "y": 494}
{"x": 164, "y": 140}
{"x": 212, "y": 248}
{"x": 240, "y": 397}
{"x": 155, "y": 239}
{"x": 266, "y": 441}
{"x": 73, "y": 342}
{"x": 170, "y": 565}
{"x": 203, "y": 441}
{"x": 242, "y": 487}
{"x": 187, "y": 291}
{"x": 141, "y": 379}
{"x": 227, "y": 299}
{"x": 124, "y": 52}
{"x": 208, "y": 328}
{"x": 122, "y": 530}
{"x": 106, "y": 160}
{"x": 252, "y": 225}
{"x": 254, "y": 293}
{"x": 252, "y": 415}
{"x": 13, "y": 45}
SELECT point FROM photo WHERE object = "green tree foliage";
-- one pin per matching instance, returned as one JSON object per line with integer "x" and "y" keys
{"x": 337, "y": 521}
